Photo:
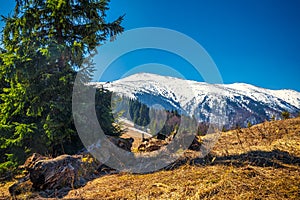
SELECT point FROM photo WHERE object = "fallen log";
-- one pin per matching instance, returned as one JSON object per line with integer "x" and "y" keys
{"x": 63, "y": 171}
{"x": 52, "y": 177}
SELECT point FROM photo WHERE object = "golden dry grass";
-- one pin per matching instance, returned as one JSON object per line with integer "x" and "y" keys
{"x": 261, "y": 162}
{"x": 4, "y": 194}
{"x": 192, "y": 182}
{"x": 282, "y": 135}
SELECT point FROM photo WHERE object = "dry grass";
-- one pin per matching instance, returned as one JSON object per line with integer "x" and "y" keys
{"x": 262, "y": 162}
{"x": 192, "y": 182}
{"x": 4, "y": 194}
{"x": 282, "y": 135}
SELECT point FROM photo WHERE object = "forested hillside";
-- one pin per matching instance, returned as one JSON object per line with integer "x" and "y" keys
{"x": 155, "y": 120}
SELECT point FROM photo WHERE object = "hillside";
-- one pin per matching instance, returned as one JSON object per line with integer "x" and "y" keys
{"x": 261, "y": 162}
{"x": 235, "y": 103}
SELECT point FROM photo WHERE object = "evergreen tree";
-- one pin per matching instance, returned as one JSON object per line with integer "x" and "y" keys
{"x": 224, "y": 129}
{"x": 249, "y": 124}
{"x": 46, "y": 42}
{"x": 139, "y": 113}
{"x": 104, "y": 113}
{"x": 285, "y": 115}
{"x": 273, "y": 118}
{"x": 3, "y": 83}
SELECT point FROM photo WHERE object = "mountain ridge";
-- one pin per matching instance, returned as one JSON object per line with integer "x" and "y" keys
{"x": 239, "y": 103}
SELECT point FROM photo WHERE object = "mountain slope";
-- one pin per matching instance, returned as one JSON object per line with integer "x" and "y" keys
{"x": 232, "y": 103}
{"x": 261, "y": 162}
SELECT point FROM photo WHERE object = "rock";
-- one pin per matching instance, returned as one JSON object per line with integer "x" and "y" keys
{"x": 56, "y": 173}
{"x": 152, "y": 145}
{"x": 123, "y": 143}
{"x": 30, "y": 162}
{"x": 161, "y": 136}
{"x": 155, "y": 144}
{"x": 196, "y": 144}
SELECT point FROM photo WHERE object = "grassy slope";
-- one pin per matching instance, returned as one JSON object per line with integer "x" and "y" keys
{"x": 256, "y": 163}
{"x": 262, "y": 162}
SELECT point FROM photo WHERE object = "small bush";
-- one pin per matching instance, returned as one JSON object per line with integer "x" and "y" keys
{"x": 285, "y": 115}
{"x": 249, "y": 124}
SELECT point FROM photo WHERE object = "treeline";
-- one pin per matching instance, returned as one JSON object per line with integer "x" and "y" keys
{"x": 45, "y": 44}
{"x": 139, "y": 113}
{"x": 157, "y": 121}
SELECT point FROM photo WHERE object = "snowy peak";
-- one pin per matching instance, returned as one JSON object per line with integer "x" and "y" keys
{"x": 239, "y": 102}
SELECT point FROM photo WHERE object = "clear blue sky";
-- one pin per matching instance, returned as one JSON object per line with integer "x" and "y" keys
{"x": 251, "y": 41}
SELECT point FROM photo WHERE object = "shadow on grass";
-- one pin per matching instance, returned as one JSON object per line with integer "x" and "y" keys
{"x": 275, "y": 158}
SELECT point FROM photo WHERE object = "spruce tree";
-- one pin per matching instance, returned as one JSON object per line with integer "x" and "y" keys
{"x": 45, "y": 43}
{"x": 273, "y": 118}
{"x": 285, "y": 115}
{"x": 249, "y": 124}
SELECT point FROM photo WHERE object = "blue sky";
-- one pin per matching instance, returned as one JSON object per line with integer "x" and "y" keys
{"x": 251, "y": 41}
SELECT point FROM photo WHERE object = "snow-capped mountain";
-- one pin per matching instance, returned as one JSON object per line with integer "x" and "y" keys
{"x": 233, "y": 103}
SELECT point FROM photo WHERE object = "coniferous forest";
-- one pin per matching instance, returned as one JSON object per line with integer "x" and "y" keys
{"x": 159, "y": 121}
{"x": 45, "y": 43}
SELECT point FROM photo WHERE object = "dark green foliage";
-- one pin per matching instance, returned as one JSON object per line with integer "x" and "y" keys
{"x": 3, "y": 83}
{"x": 285, "y": 115}
{"x": 224, "y": 129}
{"x": 45, "y": 43}
{"x": 139, "y": 113}
{"x": 160, "y": 122}
{"x": 273, "y": 118}
{"x": 104, "y": 114}
{"x": 249, "y": 124}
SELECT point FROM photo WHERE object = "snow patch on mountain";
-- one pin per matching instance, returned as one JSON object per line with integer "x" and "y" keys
{"x": 238, "y": 102}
